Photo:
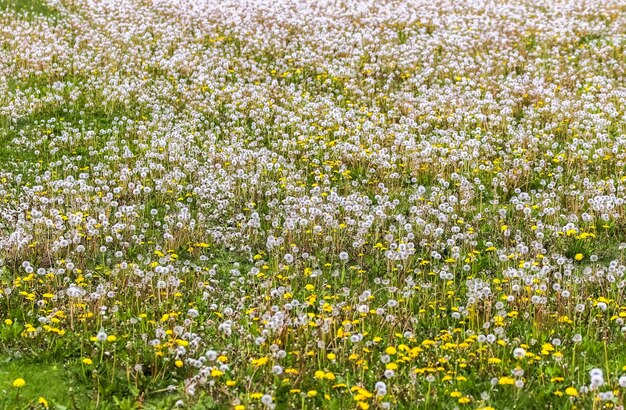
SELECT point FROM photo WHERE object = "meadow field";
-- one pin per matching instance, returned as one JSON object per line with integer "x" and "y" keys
{"x": 299, "y": 204}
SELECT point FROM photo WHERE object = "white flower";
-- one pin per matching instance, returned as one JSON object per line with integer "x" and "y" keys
{"x": 74, "y": 291}
{"x": 101, "y": 336}
{"x": 266, "y": 399}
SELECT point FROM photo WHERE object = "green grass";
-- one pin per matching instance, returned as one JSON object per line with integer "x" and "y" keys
{"x": 26, "y": 143}
{"x": 52, "y": 381}
{"x": 63, "y": 388}
{"x": 29, "y": 8}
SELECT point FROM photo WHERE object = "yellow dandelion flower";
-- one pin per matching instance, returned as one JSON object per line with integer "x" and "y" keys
{"x": 87, "y": 361}
{"x": 391, "y": 350}
{"x": 571, "y": 391}
{"x": 506, "y": 380}
{"x": 19, "y": 382}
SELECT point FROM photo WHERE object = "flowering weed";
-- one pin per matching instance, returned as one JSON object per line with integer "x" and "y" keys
{"x": 331, "y": 204}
